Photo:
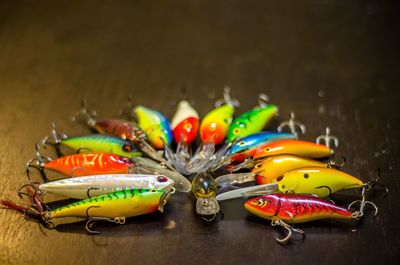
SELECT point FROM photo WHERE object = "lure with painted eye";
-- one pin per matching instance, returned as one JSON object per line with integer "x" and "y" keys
{"x": 155, "y": 125}
{"x": 82, "y": 187}
{"x": 86, "y": 164}
{"x": 213, "y": 130}
{"x": 318, "y": 181}
{"x": 273, "y": 167}
{"x": 254, "y": 140}
{"x": 185, "y": 125}
{"x": 294, "y": 147}
{"x": 251, "y": 122}
{"x": 113, "y": 207}
{"x": 215, "y": 124}
{"x": 204, "y": 189}
{"x": 269, "y": 169}
{"x": 282, "y": 209}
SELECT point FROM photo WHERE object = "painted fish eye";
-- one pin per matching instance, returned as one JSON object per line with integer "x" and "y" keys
{"x": 306, "y": 176}
{"x": 279, "y": 178}
{"x": 125, "y": 160}
{"x": 266, "y": 149}
{"x": 162, "y": 179}
{"x": 236, "y": 131}
{"x": 241, "y": 143}
{"x": 258, "y": 165}
{"x": 127, "y": 148}
{"x": 187, "y": 126}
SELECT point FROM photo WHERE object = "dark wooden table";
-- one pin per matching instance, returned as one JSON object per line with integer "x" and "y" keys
{"x": 335, "y": 63}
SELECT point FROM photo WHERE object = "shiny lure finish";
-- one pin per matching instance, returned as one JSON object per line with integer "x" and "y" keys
{"x": 318, "y": 181}
{"x": 215, "y": 124}
{"x": 101, "y": 143}
{"x": 90, "y": 164}
{"x": 254, "y": 140}
{"x": 119, "y": 128}
{"x": 272, "y": 167}
{"x": 113, "y": 207}
{"x": 185, "y": 123}
{"x": 293, "y": 208}
{"x": 155, "y": 125}
{"x": 251, "y": 122}
{"x": 295, "y": 147}
{"x": 90, "y": 186}
{"x": 204, "y": 189}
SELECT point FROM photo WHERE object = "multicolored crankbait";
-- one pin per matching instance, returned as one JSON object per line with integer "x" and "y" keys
{"x": 204, "y": 189}
{"x": 96, "y": 185}
{"x": 252, "y": 121}
{"x": 185, "y": 126}
{"x": 294, "y": 147}
{"x": 213, "y": 130}
{"x": 285, "y": 209}
{"x": 155, "y": 125}
{"x": 92, "y": 143}
{"x": 113, "y": 207}
{"x": 125, "y": 130}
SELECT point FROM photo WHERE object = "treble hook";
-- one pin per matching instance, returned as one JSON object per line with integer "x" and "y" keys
{"x": 54, "y": 139}
{"x": 292, "y": 124}
{"x": 262, "y": 100}
{"x": 288, "y": 228}
{"x": 90, "y": 189}
{"x": 227, "y": 99}
{"x": 29, "y": 194}
{"x": 40, "y": 163}
{"x": 327, "y": 138}
{"x": 363, "y": 202}
{"x": 88, "y": 116}
{"x": 92, "y": 220}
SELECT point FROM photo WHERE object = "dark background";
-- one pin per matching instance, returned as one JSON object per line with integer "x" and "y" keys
{"x": 335, "y": 63}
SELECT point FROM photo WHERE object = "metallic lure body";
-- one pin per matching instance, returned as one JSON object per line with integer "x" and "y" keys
{"x": 215, "y": 124}
{"x": 272, "y": 167}
{"x": 254, "y": 140}
{"x": 292, "y": 208}
{"x": 251, "y": 122}
{"x": 185, "y": 123}
{"x": 119, "y": 128}
{"x": 155, "y": 125}
{"x": 101, "y": 143}
{"x": 96, "y": 185}
{"x": 294, "y": 147}
{"x": 118, "y": 204}
{"x": 318, "y": 181}
{"x": 90, "y": 164}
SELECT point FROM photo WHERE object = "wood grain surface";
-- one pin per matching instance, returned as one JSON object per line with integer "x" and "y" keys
{"x": 335, "y": 63}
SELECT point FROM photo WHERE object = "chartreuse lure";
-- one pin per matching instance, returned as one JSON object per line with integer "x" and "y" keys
{"x": 213, "y": 130}
{"x": 285, "y": 209}
{"x": 252, "y": 121}
{"x": 92, "y": 144}
{"x": 155, "y": 125}
{"x": 112, "y": 207}
{"x": 123, "y": 129}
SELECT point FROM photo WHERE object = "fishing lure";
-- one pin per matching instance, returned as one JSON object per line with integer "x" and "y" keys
{"x": 92, "y": 143}
{"x": 267, "y": 170}
{"x": 81, "y": 164}
{"x": 244, "y": 147}
{"x": 252, "y": 121}
{"x": 204, "y": 189}
{"x": 185, "y": 126}
{"x": 113, "y": 207}
{"x": 155, "y": 125}
{"x": 103, "y": 163}
{"x": 213, "y": 130}
{"x": 285, "y": 209}
{"x": 96, "y": 185}
{"x": 295, "y": 147}
{"x": 123, "y": 129}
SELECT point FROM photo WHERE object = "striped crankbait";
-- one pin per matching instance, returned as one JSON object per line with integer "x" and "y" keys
{"x": 114, "y": 207}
